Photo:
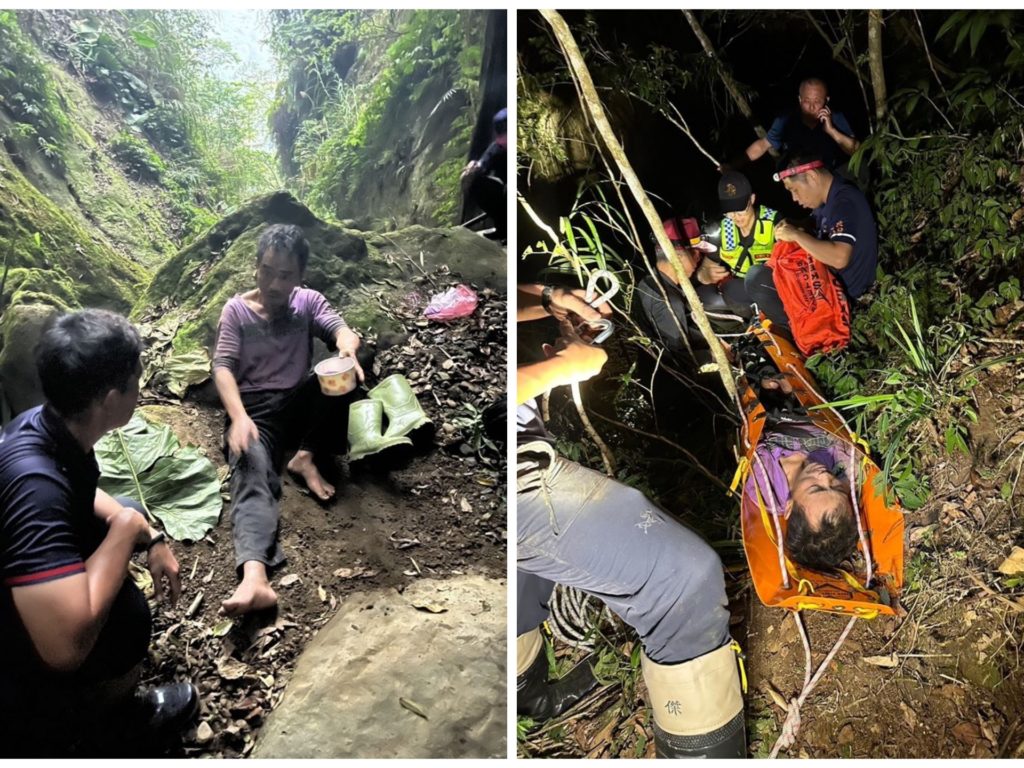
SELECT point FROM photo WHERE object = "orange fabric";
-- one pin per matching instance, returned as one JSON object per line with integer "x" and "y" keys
{"x": 817, "y": 308}
{"x": 882, "y": 519}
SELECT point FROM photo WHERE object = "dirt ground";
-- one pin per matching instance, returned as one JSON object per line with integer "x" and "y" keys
{"x": 949, "y": 683}
{"x": 433, "y": 511}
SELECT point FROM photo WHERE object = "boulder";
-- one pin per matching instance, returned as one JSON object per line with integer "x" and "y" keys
{"x": 439, "y": 647}
{"x": 20, "y": 329}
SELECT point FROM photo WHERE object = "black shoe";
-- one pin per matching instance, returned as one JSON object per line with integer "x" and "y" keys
{"x": 167, "y": 708}
{"x": 539, "y": 700}
{"x": 729, "y": 741}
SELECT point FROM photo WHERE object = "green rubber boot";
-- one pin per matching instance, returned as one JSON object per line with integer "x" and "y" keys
{"x": 400, "y": 404}
{"x": 364, "y": 430}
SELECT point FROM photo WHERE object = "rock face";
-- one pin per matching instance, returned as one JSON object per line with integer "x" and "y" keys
{"x": 197, "y": 282}
{"x": 344, "y": 700}
{"x": 20, "y": 329}
{"x": 397, "y": 151}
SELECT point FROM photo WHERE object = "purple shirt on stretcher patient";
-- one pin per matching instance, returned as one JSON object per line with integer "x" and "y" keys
{"x": 271, "y": 355}
{"x": 779, "y": 442}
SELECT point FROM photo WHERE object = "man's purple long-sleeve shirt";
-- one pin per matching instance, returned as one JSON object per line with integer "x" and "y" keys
{"x": 273, "y": 354}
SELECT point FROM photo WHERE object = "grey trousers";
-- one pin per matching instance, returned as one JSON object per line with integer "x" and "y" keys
{"x": 286, "y": 420}
{"x": 579, "y": 528}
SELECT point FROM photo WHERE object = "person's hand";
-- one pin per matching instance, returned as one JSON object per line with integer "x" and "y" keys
{"x": 710, "y": 272}
{"x": 578, "y": 361}
{"x": 164, "y": 565}
{"x": 825, "y": 116}
{"x": 565, "y": 302}
{"x": 471, "y": 167}
{"x": 786, "y": 232}
{"x": 241, "y": 435}
{"x": 348, "y": 342}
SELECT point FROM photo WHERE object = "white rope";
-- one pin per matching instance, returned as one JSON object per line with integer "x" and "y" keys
{"x": 791, "y": 726}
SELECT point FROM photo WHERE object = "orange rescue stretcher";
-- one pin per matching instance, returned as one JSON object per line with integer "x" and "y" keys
{"x": 778, "y": 581}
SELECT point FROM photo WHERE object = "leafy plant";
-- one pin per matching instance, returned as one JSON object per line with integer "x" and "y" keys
{"x": 179, "y": 486}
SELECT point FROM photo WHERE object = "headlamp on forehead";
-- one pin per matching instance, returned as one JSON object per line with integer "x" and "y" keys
{"x": 798, "y": 169}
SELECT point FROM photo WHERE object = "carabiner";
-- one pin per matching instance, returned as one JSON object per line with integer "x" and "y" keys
{"x": 602, "y": 330}
{"x": 591, "y": 296}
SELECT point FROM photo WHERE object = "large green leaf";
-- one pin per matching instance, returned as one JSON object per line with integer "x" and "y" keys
{"x": 179, "y": 486}
{"x": 185, "y": 369}
{"x": 134, "y": 448}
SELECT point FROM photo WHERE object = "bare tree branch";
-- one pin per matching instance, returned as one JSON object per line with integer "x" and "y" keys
{"x": 875, "y": 62}
{"x": 727, "y": 78}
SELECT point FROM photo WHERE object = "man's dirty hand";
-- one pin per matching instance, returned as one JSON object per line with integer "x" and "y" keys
{"x": 164, "y": 565}
{"x": 348, "y": 343}
{"x": 241, "y": 435}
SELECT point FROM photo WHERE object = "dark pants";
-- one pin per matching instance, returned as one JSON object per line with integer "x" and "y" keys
{"x": 760, "y": 285}
{"x": 579, "y": 528}
{"x": 728, "y": 298}
{"x": 488, "y": 192}
{"x": 302, "y": 418}
{"x": 47, "y": 713}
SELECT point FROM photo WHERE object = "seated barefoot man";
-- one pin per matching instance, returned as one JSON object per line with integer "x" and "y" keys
{"x": 261, "y": 371}
{"x": 75, "y": 627}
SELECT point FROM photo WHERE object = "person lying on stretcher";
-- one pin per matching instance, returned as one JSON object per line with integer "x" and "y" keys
{"x": 805, "y": 469}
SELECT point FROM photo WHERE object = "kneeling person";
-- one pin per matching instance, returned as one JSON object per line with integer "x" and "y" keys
{"x": 76, "y": 628}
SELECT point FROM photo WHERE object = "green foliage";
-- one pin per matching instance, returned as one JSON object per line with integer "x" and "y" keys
{"x": 179, "y": 486}
{"x": 26, "y": 91}
{"x": 137, "y": 156}
{"x": 915, "y": 395}
{"x": 581, "y": 250}
{"x": 336, "y": 133}
{"x": 163, "y": 72}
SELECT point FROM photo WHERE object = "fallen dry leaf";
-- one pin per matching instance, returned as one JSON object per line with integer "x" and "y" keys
{"x": 465, "y": 506}
{"x": 359, "y": 572}
{"x": 909, "y": 715}
{"x": 232, "y": 669}
{"x": 888, "y": 662}
{"x": 967, "y": 733}
{"x": 1013, "y": 564}
{"x": 287, "y": 581}
{"x": 322, "y": 593}
{"x": 413, "y": 707}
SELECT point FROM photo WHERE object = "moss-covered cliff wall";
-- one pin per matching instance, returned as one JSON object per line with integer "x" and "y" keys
{"x": 376, "y": 115}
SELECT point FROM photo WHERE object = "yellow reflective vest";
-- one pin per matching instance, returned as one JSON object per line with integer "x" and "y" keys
{"x": 740, "y": 259}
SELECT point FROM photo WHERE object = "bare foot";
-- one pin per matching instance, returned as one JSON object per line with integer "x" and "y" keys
{"x": 253, "y": 594}
{"x": 302, "y": 465}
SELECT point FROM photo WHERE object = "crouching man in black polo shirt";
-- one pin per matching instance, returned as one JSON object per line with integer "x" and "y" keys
{"x": 73, "y": 627}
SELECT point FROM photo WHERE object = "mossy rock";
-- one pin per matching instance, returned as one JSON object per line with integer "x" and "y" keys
{"x": 20, "y": 329}
{"x": 476, "y": 259}
{"x": 38, "y": 236}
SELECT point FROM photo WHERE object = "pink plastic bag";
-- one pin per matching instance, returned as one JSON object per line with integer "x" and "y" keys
{"x": 456, "y": 302}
